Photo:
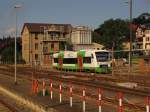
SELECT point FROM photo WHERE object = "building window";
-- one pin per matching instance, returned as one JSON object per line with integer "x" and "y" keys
{"x": 36, "y": 46}
{"x": 36, "y": 36}
{"x": 147, "y": 38}
{"x": 36, "y": 56}
{"x": 45, "y": 49}
{"x": 69, "y": 60}
{"x": 52, "y": 45}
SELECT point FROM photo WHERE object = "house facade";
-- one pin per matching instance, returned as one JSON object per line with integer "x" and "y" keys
{"x": 143, "y": 37}
{"x": 40, "y": 40}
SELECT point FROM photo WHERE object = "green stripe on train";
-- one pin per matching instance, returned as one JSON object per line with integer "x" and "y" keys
{"x": 81, "y": 53}
{"x": 61, "y": 54}
{"x": 93, "y": 69}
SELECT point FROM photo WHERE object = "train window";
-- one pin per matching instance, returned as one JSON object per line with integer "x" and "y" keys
{"x": 69, "y": 60}
{"x": 55, "y": 60}
{"x": 87, "y": 60}
{"x": 102, "y": 56}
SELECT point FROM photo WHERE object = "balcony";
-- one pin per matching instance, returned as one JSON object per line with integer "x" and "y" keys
{"x": 55, "y": 30}
{"x": 54, "y": 39}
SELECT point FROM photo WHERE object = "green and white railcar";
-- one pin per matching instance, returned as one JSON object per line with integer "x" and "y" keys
{"x": 85, "y": 60}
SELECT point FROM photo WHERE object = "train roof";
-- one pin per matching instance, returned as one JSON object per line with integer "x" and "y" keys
{"x": 74, "y": 53}
{"x": 64, "y": 53}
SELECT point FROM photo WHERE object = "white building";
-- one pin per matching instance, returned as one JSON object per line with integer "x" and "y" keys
{"x": 146, "y": 38}
{"x": 81, "y": 37}
{"x": 143, "y": 37}
{"x": 97, "y": 46}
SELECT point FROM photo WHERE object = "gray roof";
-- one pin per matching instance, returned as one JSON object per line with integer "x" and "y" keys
{"x": 36, "y": 27}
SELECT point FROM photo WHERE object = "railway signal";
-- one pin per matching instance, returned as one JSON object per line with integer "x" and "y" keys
{"x": 120, "y": 98}
{"x": 147, "y": 101}
{"x": 70, "y": 91}
{"x": 51, "y": 87}
{"x": 83, "y": 98}
{"x": 60, "y": 91}
{"x": 36, "y": 86}
{"x": 100, "y": 91}
{"x": 44, "y": 87}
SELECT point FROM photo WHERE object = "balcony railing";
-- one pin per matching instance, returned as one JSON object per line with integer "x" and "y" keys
{"x": 54, "y": 39}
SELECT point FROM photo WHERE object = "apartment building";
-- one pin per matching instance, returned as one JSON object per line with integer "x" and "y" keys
{"x": 143, "y": 37}
{"x": 81, "y": 38}
{"x": 40, "y": 41}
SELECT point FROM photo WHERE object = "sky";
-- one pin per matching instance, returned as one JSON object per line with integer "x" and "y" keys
{"x": 90, "y": 13}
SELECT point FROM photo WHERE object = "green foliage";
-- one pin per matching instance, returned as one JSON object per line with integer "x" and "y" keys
{"x": 62, "y": 45}
{"x": 95, "y": 36}
{"x": 8, "y": 52}
{"x": 142, "y": 19}
{"x": 69, "y": 46}
{"x": 112, "y": 31}
{"x": 117, "y": 31}
{"x": 40, "y": 93}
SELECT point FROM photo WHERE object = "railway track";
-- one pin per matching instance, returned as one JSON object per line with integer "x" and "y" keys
{"x": 90, "y": 82}
{"x": 139, "y": 79}
{"x": 6, "y": 107}
{"x": 26, "y": 73}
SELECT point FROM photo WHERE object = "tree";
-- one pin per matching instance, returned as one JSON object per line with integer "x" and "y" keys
{"x": 7, "y": 50}
{"x": 144, "y": 18}
{"x": 112, "y": 31}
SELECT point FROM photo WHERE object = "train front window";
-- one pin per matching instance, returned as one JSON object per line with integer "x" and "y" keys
{"x": 102, "y": 56}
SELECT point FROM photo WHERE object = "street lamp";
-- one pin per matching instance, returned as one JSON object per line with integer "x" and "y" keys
{"x": 16, "y": 7}
{"x": 130, "y": 26}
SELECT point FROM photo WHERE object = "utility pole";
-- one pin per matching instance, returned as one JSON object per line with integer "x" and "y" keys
{"x": 16, "y": 7}
{"x": 130, "y": 51}
{"x": 113, "y": 60}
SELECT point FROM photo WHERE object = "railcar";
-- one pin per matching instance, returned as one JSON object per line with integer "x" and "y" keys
{"x": 84, "y": 60}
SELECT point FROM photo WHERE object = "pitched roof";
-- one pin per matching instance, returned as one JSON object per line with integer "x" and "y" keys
{"x": 145, "y": 26}
{"x": 36, "y": 27}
